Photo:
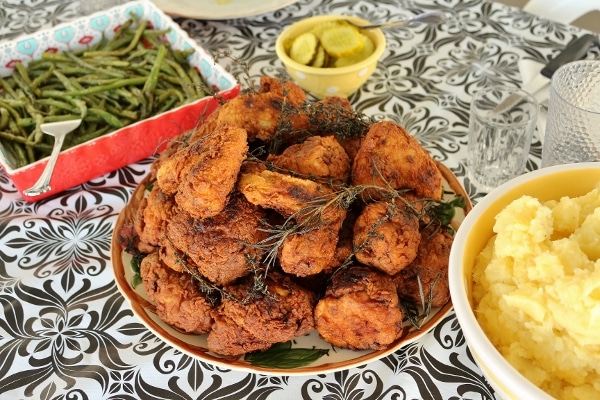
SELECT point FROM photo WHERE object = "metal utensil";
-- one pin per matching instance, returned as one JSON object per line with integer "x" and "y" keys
{"x": 432, "y": 17}
{"x": 575, "y": 50}
{"x": 59, "y": 130}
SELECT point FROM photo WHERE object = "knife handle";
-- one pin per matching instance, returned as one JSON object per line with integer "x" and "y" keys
{"x": 575, "y": 50}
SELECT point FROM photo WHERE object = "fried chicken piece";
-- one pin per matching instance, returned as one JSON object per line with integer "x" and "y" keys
{"x": 259, "y": 113}
{"x": 345, "y": 245}
{"x": 255, "y": 322}
{"x": 430, "y": 267}
{"x": 207, "y": 125}
{"x": 153, "y": 215}
{"x": 282, "y": 193}
{"x": 202, "y": 175}
{"x": 348, "y": 126}
{"x": 389, "y": 156}
{"x": 387, "y": 236}
{"x": 359, "y": 310}
{"x": 221, "y": 247}
{"x": 332, "y": 116}
{"x": 313, "y": 250}
{"x": 319, "y": 158}
{"x": 179, "y": 301}
{"x": 174, "y": 258}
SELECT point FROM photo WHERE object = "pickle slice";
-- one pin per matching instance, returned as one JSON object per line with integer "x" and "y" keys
{"x": 323, "y": 26}
{"x": 304, "y": 48}
{"x": 342, "y": 41}
{"x": 367, "y": 50}
{"x": 321, "y": 58}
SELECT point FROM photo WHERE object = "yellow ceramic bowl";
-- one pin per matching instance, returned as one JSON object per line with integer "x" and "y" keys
{"x": 475, "y": 231}
{"x": 325, "y": 82}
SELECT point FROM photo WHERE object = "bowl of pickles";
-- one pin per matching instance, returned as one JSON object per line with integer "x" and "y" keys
{"x": 327, "y": 56}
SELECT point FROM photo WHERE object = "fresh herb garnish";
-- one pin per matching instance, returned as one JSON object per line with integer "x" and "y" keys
{"x": 283, "y": 356}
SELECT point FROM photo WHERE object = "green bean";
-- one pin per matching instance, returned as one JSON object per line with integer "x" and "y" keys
{"x": 150, "y": 84}
{"x": 39, "y": 79}
{"x": 170, "y": 93}
{"x": 123, "y": 30}
{"x": 8, "y": 88}
{"x": 37, "y": 134}
{"x": 106, "y": 116}
{"x": 106, "y": 71}
{"x": 15, "y": 151}
{"x": 4, "y": 115}
{"x": 104, "y": 88}
{"x": 91, "y": 135}
{"x": 24, "y": 122}
{"x": 56, "y": 104}
{"x": 168, "y": 104}
{"x": 132, "y": 44}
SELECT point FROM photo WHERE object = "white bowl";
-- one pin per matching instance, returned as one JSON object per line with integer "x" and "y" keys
{"x": 545, "y": 184}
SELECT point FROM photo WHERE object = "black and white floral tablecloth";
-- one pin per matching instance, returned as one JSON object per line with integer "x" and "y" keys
{"x": 67, "y": 333}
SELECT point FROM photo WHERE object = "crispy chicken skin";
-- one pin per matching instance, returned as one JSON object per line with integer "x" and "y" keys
{"x": 220, "y": 247}
{"x": 178, "y": 300}
{"x": 259, "y": 113}
{"x": 174, "y": 258}
{"x": 202, "y": 175}
{"x": 321, "y": 158}
{"x": 153, "y": 216}
{"x": 282, "y": 193}
{"x": 386, "y": 236}
{"x": 390, "y": 156}
{"x": 207, "y": 125}
{"x": 256, "y": 324}
{"x": 430, "y": 267}
{"x": 359, "y": 310}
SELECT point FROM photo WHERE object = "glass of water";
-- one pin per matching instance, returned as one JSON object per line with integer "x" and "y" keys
{"x": 501, "y": 125}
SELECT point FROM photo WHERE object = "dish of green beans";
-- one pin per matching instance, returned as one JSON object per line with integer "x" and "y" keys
{"x": 116, "y": 82}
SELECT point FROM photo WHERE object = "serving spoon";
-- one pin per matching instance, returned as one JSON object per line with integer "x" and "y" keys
{"x": 431, "y": 17}
{"x": 59, "y": 130}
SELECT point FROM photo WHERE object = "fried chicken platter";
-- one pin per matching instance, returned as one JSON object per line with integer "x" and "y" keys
{"x": 294, "y": 231}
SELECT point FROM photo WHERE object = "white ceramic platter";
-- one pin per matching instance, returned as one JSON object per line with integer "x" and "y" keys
{"x": 219, "y": 9}
{"x": 195, "y": 345}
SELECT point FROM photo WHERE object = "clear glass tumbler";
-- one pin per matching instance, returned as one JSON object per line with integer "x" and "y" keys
{"x": 501, "y": 125}
{"x": 573, "y": 128}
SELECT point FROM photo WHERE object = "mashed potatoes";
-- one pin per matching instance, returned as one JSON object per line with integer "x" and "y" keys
{"x": 537, "y": 292}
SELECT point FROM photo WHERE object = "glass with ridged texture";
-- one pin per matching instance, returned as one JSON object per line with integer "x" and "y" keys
{"x": 499, "y": 136}
{"x": 573, "y": 128}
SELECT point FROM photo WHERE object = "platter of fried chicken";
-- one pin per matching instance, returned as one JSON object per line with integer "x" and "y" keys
{"x": 288, "y": 236}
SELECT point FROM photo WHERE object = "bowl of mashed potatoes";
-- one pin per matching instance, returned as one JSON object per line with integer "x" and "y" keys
{"x": 524, "y": 279}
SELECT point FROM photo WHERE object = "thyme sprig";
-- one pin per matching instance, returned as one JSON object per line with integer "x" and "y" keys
{"x": 411, "y": 310}
{"x": 320, "y": 118}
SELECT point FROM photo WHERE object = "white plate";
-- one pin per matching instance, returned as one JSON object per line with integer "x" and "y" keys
{"x": 219, "y": 9}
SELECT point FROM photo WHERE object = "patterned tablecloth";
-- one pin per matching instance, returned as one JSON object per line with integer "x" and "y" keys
{"x": 66, "y": 332}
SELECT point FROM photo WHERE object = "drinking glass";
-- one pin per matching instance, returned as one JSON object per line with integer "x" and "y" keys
{"x": 501, "y": 125}
{"x": 573, "y": 127}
